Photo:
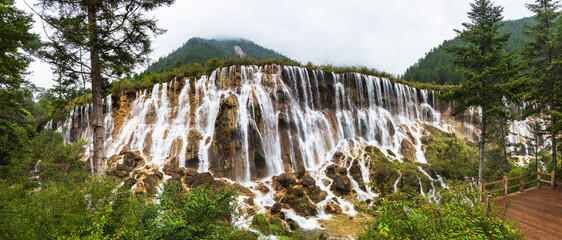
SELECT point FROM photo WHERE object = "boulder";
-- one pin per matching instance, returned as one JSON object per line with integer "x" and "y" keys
{"x": 333, "y": 170}
{"x": 262, "y": 188}
{"x": 408, "y": 151}
{"x": 315, "y": 193}
{"x": 276, "y": 208}
{"x": 341, "y": 185}
{"x": 284, "y": 180}
{"x": 307, "y": 180}
{"x": 332, "y": 208}
{"x": 356, "y": 174}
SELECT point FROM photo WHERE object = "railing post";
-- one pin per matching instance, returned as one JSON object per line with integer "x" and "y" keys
{"x": 482, "y": 190}
{"x": 505, "y": 185}
{"x": 539, "y": 178}
{"x": 552, "y": 178}
{"x": 521, "y": 181}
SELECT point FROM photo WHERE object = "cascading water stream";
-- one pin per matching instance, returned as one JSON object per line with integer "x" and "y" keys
{"x": 279, "y": 119}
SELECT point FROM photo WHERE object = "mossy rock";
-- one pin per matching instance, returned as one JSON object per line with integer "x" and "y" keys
{"x": 259, "y": 222}
{"x": 243, "y": 235}
{"x": 449, "y": 156}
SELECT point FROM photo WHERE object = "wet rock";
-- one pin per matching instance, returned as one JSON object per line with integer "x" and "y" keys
{"x": 307, "y": 180}
{"x": 333, "y": 208}
{"x": 412, "y": 138}
{"x": 341, "y": 185}
{"x": 148, "y": 179}
{"x": 262, "y": 188}
{"x": 256, "y": 153}
{"x": 172, "y": 168}
{"x": 192, "y": 151}
{"x": 130, "y": 161}
{"x": 316, "y": 194}
{"x": 296, "y": 191}
{"x": 284, "y": 180}
{"x": 390, "y": 127}
{"x": 390, "y": 152}
{"x": 200, "y": 179}
{"x": 333, "y": 170}
{"x": 338, "y": 157}
{"x": 356, "y": 174}
{"x": 249, "y": 201}
{"x": 224, "y": 157}
{"x": 276, "y": 208}
{"x": 408, "y": 151}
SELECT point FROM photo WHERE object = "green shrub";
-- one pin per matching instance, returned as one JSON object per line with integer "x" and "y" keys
{"x": 259, "y": 222}
{"x": 457, "y": 215}
{"x": 201, "y": 213}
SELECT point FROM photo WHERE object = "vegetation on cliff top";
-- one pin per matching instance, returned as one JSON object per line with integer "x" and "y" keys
{"x": 196, "y": 70}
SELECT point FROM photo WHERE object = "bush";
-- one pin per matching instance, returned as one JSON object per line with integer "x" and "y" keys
{"x": 457, "y": 215}
{"x": 202, "y": 213}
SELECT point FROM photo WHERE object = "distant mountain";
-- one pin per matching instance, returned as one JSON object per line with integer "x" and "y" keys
{"x": 199, "y": 50}
{"x": 436, "y": 67}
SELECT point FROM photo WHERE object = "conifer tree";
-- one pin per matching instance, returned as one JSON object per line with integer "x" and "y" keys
{"x": 114, "y": 37}
{"x": 543, "y": 55}
{"x": 485, "y": 66}
{"x": 15, "y": 36}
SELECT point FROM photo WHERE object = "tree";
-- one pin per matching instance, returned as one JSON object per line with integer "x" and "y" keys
{"x": 543, "y": 56}
{"x": 485, "y": 66}
{"x": 15, "y": 26}
{"x": 103, "y": 39}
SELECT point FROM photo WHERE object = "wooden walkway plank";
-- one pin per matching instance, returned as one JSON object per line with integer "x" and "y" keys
{"x": 537, "y": 211}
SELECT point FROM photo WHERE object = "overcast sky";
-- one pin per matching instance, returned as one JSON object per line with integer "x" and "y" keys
{"x": 383, "y": 34}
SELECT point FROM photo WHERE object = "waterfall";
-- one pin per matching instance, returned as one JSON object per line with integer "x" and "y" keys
{"x": 279, "y": 119}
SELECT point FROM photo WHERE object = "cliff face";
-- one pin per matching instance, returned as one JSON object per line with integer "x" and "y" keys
{"x": 249, "y": 123}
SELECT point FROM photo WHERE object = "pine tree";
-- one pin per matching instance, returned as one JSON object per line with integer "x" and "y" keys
{"x": 15, "y": 35}
{"x": 103, "y": 39}
{"x": 486, "y": 69}
{"x": 543, "y": 55}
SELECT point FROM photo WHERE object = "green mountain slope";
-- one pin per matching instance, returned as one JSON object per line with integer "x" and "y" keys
{"x": 199, "y": 50}
{"x": 436, "y": 66}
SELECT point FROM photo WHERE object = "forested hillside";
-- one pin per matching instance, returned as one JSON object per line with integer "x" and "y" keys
{"x": 436, "y": 66}
{"x": 199, "y": 50}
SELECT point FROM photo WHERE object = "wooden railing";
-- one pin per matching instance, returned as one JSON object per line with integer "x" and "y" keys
{"x": 522, "y": 183}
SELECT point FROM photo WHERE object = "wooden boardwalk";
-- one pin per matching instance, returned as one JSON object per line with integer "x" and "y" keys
{"x": 538, "y": 212}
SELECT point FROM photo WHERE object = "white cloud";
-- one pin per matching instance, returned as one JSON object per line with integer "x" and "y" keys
{"x": 386, "y": 35}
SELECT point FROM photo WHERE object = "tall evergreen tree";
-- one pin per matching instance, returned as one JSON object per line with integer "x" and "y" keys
{"x": 15, "y": 36}
{"x": 485, "y": 66}
{"x": 114, "y": 35}
{"x": 543, "y": 55}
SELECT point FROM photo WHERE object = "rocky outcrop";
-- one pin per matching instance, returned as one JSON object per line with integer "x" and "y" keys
{"x": 298, "y": 192}
{"x": 123, "y": 164}
{"x": 224, "y": 157}
{"x": 407, "y": 150}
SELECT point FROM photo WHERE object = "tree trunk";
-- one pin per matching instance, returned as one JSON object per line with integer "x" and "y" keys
{"x": 553, "y": 139}
{"x": 97, "y": 123}
{"x": 87, "y": 119}
{"x": 482, "y": 145}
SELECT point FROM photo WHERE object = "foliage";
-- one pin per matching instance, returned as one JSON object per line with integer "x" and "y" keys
{"x": 202, "y": 213}
{"x": 450, "y": 156}
{"x": 437, "y": 65}
{"x": 15, "y": 26}
{"x": 487, "y": 69}
{"x": 457, "y": 215}
{"x": 195, "y": 71}
{"x": 543, "y": 54}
